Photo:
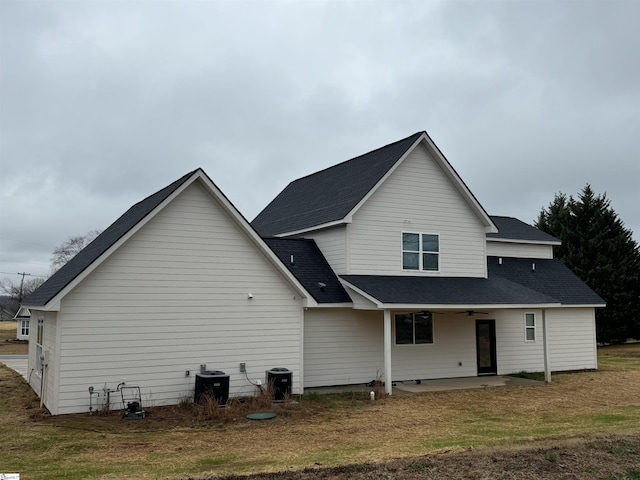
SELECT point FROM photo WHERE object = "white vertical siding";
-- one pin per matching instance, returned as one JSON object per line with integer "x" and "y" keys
{"x": 171, "y": 298}
{"x": 332, "y": 244}
{"x": 519, "y": 250}
{"x": 573, "y": 338}
{"x": 417, "y": 197}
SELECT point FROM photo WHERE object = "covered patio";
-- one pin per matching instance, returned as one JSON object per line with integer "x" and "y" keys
{"x": 435, "y": 385}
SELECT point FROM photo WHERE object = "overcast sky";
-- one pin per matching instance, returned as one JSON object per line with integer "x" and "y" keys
{"x": 105, "y": 102}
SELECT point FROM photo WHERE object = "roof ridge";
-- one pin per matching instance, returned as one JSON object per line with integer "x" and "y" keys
{"x": 328, "y": 195}
{"x": 357, "y": 157}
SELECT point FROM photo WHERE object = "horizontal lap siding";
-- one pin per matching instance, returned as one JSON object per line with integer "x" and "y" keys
{"x": 49, "y": 344}
{"x": 171, "y": 298}
{"x": 346, "y": 346}
{"x": 514, "y": 354}
{"x": 332, "y": 244}
{"x": 573, "y": 339}
{"x": 453, "y": 343}
{"x": 417, "y": 197}
{"x": 519, "y": 250}
{"x": 342, "y": 347}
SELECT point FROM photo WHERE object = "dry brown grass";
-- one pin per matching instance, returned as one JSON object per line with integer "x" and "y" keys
{"x": 9, "y": 345}
{"x": 327, "y": 430}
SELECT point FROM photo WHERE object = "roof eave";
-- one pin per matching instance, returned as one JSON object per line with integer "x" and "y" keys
{"x": 531, "y": 242}
{"x": 334, "y": 305}
{"x": 465, "y": 306}
{"x": 314, "y": 228}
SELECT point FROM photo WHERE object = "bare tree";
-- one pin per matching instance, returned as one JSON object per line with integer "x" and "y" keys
{"x": 70, "y": 248}
{"x": 19, "y": 290}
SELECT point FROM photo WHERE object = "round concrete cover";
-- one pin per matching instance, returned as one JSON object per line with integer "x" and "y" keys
{"x": 261, "y": 416}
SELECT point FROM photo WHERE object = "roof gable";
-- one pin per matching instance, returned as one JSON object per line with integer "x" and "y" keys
{"x": 50, "y": 292}
{"x": 333, "y": 195}
{"x": 329, "y": 195}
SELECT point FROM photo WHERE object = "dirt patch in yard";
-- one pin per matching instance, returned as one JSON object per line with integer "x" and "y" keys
{"x": 609, "y": 457}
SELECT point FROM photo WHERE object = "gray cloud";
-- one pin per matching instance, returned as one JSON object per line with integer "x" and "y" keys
{"x": 104, "y": 103}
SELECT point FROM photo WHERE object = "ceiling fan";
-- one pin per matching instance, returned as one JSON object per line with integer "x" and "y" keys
{"x": 427, "y": 313}
{"x": 471, "y": 313}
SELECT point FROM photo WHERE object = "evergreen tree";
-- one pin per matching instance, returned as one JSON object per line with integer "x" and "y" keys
{"x": 598, "y": 248}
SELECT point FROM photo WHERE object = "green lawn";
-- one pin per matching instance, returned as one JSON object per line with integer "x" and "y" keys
{"x": 328, "y": 430}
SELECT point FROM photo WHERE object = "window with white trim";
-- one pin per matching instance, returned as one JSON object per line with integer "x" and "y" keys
{"x": 530, "y": 327}
{"x": 39, "y": 340}
{"x": 24, "y": 328}
{"x": 421, "y": 251}
{"x": 414, "y": 328}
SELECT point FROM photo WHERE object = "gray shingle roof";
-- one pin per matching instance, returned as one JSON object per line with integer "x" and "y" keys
{"x": 310, "y": 267}
{"x": 510, "y": 228}
{"x": 329, "y": 195}
{"x": 59, "y": 280}
{"x": 550, "y": 277}
{"x": 511, "y": 283}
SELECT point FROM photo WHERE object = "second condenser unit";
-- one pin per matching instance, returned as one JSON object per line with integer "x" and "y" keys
{"x": 280, "y": 380}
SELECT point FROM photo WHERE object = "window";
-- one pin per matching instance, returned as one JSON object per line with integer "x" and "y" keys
{"x": 530, "y": 327}
{"x": 24, "y": 328}
{"x": 39, "y": 339}
{"x": 420, "y": 251}
{"x": 414, "y": 328}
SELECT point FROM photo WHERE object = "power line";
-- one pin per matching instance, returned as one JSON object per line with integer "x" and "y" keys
{"x": 32, "y": 275}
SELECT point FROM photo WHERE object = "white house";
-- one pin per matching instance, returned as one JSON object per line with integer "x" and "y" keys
{"x": 22, "y": 318}
{"x": 385, "y": 264}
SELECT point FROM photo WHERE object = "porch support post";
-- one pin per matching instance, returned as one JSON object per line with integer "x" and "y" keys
{"x": 388, "y": 385}
{"x": 545, "y": 342}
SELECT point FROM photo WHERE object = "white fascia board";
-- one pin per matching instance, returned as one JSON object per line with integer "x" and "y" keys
{"x": 312, "y": 229}
{"x": 421, "y": 306}
{"x": 360, "y": 292}
{"x": 529, "y": 242}
{"x": 52, "y": 306}
{"x": 22, "y": 312}
{"x": 334, "y": 305}
{"x": 595, "y": 305}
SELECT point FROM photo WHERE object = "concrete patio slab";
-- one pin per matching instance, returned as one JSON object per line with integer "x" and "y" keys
{"x": 418, "y": 386}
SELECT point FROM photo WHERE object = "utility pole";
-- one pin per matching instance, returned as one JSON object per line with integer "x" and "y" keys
{"x": 21, "y": 285}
